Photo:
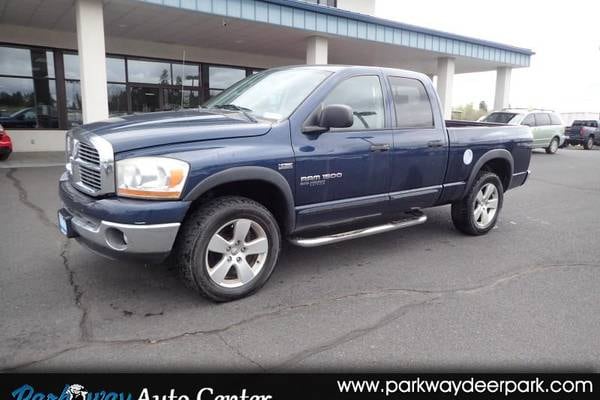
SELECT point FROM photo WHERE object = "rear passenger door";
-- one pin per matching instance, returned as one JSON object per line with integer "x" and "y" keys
{"x": 420, "y": 152}
{"x": 543, "y": 131}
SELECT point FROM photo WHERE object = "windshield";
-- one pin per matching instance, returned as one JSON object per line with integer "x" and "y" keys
{"x": 585, "y": 123}
{"x": 271, "y": 94}
{"x": 500, "y": 117}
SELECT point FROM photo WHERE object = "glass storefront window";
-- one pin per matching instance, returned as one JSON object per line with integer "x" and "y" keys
{"x": 28, "y": 103}
{"x": 15, "y": 61}
{"x": 220, "y": 78}
{"x": 16, "y": 94}
{"x": 117, "y": 99}
{"x": 145, "y": 99}
{"x": 71, "y": 62}
{"x": 115, "y": 69}
{"x": 188, "y": 75}
{"x": 174, "y": 100}
{"x": 149, "y": 72}
{"x": 73, "y": 97}
{"x": 29, "y": 79}
{"x": 42, "y": 63}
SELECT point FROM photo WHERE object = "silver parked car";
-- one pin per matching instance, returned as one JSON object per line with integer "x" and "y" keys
{"x": 546, "y": 126}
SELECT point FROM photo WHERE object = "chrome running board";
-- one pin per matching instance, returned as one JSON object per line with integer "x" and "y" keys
{"x": 358, "y": 233}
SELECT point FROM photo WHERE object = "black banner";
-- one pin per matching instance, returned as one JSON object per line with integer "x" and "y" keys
{"x": 296, "y": 386}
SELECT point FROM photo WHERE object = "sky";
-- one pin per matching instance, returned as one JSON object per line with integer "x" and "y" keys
{"x": 565, "y": 35}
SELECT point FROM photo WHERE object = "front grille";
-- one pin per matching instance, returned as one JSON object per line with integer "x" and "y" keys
{"x": 91, "y": 163}
{"x": 88, "y": 153}
{"x": 90, "y": 177}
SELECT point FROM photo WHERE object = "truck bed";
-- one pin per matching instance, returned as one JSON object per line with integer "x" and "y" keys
{"x": 454, "y": 123}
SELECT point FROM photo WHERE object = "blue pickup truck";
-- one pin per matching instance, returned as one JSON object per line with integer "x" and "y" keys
{"x": 312, "y": 154}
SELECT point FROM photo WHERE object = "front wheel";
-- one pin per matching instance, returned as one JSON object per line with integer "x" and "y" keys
{"x": 553, "y": 147}
{"x": 589, "y": 143}
{"x": 228, "y": 248}
{"x": 477, "y": 213}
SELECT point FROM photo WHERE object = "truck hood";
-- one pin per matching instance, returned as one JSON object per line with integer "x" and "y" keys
{"x": 134, "y": 132}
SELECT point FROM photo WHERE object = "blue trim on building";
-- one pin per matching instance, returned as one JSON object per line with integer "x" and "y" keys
{"x": 329, "y": 20}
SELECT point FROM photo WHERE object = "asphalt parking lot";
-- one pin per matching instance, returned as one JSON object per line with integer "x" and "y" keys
{"x": 525, "y": 297}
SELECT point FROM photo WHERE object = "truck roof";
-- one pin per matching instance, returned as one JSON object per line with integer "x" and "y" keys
{"x": 362, "y": 68}
{"x": 524, "y": 110}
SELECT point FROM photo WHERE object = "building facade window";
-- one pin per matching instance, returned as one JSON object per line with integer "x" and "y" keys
{"x": 330, "y": 3}
{"x": 220, "y": 78}
{"x": 40, "y": 88}
{"x": 27, "y": 88}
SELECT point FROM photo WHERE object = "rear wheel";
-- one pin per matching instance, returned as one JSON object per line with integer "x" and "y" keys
{"x": 228, "y": 248}
{"x": 589, "y": 143}
{"x": 477, "y": 213}
{"x": 553, "y": 147}
{"x": 4, "y": 157}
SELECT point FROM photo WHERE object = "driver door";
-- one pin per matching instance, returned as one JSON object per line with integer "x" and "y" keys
{"x": 343, "y": 175}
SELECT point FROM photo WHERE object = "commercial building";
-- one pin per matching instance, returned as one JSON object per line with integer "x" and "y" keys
{"x": 65, "y": 62}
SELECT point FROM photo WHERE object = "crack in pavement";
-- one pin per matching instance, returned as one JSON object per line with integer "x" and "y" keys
{"x": 351, "y": 335}
{"x": 354, "y": 334}
{"x": 401, "y": 311}
{"x": 84, "y": 329}
{"x": 24, "y": 199}
{"x": 239, "y": 352}
{"x": 47, "y": 358}
{"x": 41, "y": 214}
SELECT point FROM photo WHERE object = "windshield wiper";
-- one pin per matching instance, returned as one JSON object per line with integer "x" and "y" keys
{"x": 244, "y": 110}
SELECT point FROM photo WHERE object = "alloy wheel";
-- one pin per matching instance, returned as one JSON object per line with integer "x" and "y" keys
{"x": 236, "y": 253}
{"x": 486, "y": 205}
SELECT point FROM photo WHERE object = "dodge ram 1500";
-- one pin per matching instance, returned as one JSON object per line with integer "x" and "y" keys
{"x": 312, "y": 154}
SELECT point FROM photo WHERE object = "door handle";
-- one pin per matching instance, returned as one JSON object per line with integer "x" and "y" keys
{"x": 380, "y": 147}
{"x": 435, "y": 143}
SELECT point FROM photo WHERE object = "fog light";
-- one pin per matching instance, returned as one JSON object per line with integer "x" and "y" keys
{"x": 116, "y": 239}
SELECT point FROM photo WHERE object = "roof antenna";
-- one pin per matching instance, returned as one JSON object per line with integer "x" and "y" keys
{"x": 182, "y": 77}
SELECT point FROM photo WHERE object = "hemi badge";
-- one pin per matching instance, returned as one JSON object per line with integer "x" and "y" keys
{"x": 285, "y": 165}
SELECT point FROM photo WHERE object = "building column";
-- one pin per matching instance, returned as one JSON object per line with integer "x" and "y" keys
{"x": 89, "y": 17}
{"x": 445, "y": 81}
{"x": 316, "y": 50}
{"x": 502, "y": 87}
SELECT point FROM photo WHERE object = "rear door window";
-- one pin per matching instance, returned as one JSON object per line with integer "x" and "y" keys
{"x": 528, "y": 120}
{"x": 500, "y": 117}
{"x": 411, "y": 102}
{"x": 542, "y": 119}
{"x": 555, "y": 119}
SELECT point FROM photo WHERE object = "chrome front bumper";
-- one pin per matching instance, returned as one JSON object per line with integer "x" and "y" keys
{"x": 151, "y": 243}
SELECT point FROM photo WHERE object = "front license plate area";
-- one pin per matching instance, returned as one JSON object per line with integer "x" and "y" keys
{"x": 64, "y": 224}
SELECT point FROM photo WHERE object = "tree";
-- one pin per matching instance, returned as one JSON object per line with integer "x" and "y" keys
{"x": 467, "y": 112}
{"x": 483, "y": 106}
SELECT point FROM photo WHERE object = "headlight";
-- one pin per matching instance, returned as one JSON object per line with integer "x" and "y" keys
{"x": 151, "y": 177}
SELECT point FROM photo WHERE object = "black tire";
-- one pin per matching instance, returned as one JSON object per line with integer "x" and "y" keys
{"x": 553, "y": 147}
{"x": 4, "y": 157}
{"x": 589, "y": 143}
{"x": 463, "y": 211}
{"x": 191, "y": 249}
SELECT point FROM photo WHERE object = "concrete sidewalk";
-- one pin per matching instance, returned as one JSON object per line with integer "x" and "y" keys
{"x": 34, "y": 159}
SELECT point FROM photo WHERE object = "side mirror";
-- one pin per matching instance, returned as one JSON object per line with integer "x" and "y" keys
{"x": 332, "y": 116}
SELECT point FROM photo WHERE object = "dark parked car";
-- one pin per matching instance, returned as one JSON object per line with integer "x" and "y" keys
{"x": 585, "y": 132}
{"x": 24, "y": 118}
{"x": 313, "y": 154}
{"x": 5, "y": 144}
{"x": 28, "y": 118}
